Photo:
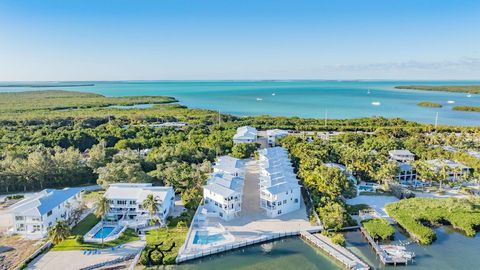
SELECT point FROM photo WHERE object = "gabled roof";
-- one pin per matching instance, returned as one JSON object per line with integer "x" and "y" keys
{"x": 276, "y": 132}
{"x": 282, "y": 187}
{"x": 44, "y": 201}
{"x": 219, "y": 189}
{"x": 228, "y": 164}
{"x": 246, "y": 132}
{"x": 449, "y": 163}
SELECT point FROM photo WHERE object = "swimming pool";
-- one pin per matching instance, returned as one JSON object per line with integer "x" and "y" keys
{"x": 207, "y": 239}
{"x": 365, "y": 188}
{"x": 103, "y": 233}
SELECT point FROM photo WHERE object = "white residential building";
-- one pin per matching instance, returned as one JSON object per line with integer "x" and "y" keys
{"x": 230, "y": 166}
{"x": 401, "y": 155}
{"x": 222, "y": 196}
{"x": 455, "y": 169}
{"x": 407, "y": 173}
{"x": 404, "y": 158}
{"x": 33, "y": 216}
{"x": 274, "y": 134}
{"x": 279, "y": 188}
{"x": 245, "y": 134}
{"x": 126, "y": 200}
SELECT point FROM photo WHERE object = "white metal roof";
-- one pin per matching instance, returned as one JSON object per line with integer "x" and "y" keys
{"x": 137, "y": 192}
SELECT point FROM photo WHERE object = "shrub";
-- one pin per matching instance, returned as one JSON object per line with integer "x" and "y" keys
{"x": 79, "y": 239}
{"x": 379, "y": 228}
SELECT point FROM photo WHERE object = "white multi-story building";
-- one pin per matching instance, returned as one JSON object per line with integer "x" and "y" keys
{"x": 401, "y": 155}
{"x": 455, "y": 170}
{"x": 222, "y": 196}
{"x": 245, "y": 134}
{"x": 407, "y": 173}
{"x": 279, "y": 188}
{"x": 33, "y": 216}
{"x": 229, "y": 166}
{"x": 274, "y": 134}
{"x": 126, "y": 203}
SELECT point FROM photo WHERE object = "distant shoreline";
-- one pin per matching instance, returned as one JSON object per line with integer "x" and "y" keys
{"x": 46, "y": 85}
{"x": 468, "y": 89}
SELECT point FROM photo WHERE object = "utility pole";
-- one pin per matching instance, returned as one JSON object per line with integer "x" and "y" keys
{"x": 436, "y": 121}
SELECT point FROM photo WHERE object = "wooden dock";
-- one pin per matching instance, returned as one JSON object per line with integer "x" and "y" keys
{"x": 341, "y": 254}
{"x": 384, "y": 257}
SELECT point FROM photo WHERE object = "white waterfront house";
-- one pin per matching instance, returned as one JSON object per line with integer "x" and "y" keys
{"x": 245, "y": 134}
{"x": 401, "y": 155}
{"x": 274, "y": 134}
{"x": 126, "y": 201}
{"x": 455, "y": 170}
{"x": 279, "y": 188}
{"x": 33, "y": 216}
{"x": 222, "y": 196}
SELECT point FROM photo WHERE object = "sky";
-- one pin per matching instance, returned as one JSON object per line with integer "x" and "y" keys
{"x": 246, "y": 39}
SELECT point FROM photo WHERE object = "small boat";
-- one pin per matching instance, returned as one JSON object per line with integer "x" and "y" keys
{"x": 451, "y": 101}
{"x": 368, "y": 92}
{"x": 273, "y": 94}
{"x": 376, "y": 103}
{"x": 469, "y": 95}
{"x": 259, "y": 99}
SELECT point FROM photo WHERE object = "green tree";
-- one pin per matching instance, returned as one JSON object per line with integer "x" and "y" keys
{"x": 59, "y": 232}
{"x": 102, "y": 208}
{"x": 151, "y": 205}
{"x": 244, "y": 150}
{"x": 387, "y": 172}
{"x": 332, "y": 215}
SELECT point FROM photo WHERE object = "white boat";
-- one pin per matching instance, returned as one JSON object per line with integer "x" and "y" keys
{"x": 376, "y": 103}
{"x": 273, "y": 94}
{"x": 451, "y": 101}
{"x": 469, "y": 95}
{"x": 368, "y": 92}
{"x": 259, "y": 99}
{"x": 398, "y": 251}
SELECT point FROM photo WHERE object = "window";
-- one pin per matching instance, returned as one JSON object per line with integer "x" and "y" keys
{"x": 284, "y": 201}
{"x": 49, "y": 213}
{"x": 121, "y": 202}
{"x": 279, "y": 203}
{"x": 36, "y": 219}
{"x": 132, "y": 202}
{"x": 296, "y": 200}
{"x": 18, "y": 218}
{"x": 279, "y": 212}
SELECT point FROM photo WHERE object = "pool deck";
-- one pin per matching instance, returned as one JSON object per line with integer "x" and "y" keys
{"x": 251, "y": 226}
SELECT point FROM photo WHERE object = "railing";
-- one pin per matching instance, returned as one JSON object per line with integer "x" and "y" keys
{"x": 226, "y": 247}
{"x": 111, "y": 262}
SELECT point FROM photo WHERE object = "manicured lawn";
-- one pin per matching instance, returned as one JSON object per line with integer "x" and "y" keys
{"x": 83, "y": 227}
{"x": 414, "y": 214}
{"x": 167, "y": 236}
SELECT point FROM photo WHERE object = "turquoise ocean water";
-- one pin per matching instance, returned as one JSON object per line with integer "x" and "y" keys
{"x": 338, "y": 99}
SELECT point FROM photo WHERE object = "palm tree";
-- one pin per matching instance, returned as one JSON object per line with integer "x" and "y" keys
{"x": 151, "y": 205}
{"x": 103, "y": 207}
{"x": 59, "y": 232}
{"x": 387, "y": 172}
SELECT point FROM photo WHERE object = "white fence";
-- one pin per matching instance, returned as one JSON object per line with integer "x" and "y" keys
{"x": 226, "y": 247}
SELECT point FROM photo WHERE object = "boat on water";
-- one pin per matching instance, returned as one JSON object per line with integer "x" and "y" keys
{"x": 368, "y": 92}
{"x": 451, "y": 101}
{"x": 273, "y": 94}
{"x": 398, "y": 251}
{"x": 376, "y": 103}
{"x": 259, "y": 99}
{"x": 469, "y": 95}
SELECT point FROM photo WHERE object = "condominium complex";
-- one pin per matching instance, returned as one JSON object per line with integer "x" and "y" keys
{"x": 223, "y": 193}
{"x": 279, "y": 188}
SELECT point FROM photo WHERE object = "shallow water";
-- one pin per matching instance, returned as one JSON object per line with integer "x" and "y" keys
{"x": 451, "y": 250}
{"x": 336, "y": 99}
